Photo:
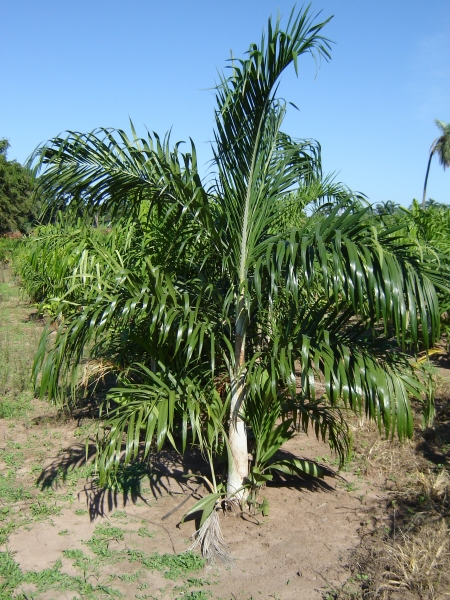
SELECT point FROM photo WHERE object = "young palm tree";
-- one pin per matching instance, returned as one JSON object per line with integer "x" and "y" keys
{"x": 441, "y": 145}
{"x": 230, "y": 301}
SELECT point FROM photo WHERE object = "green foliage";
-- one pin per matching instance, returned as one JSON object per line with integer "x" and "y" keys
{"x": 172, "y": 566}
{"x": 7, "y": 248}
{"x": 269, "y": 291}
{"x": 16, "y": 408}
{"x": 16, "y": 205}
{"x": 56, "y": 258}
{"x": 11, "y": 577}
{"x": 430, "y": 229}
{"x": 18, "y": 339}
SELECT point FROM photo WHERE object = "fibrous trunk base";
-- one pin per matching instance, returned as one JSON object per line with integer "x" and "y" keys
{"x": 210, "y": 539}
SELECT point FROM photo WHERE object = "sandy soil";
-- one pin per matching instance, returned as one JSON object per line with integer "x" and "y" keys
{"x": 299, "y": 551}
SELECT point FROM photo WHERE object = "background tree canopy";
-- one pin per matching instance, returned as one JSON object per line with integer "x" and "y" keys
{"x": 16, "y": 206}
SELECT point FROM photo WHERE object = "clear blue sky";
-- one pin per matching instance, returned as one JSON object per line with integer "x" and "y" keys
{"x": 83, "y": 64}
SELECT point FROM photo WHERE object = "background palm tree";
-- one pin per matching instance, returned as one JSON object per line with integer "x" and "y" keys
{"x": 441, "y": 145}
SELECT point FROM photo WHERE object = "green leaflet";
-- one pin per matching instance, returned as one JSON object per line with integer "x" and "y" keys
{"x": 206, "y": 505}
{"x": 297, "y": 466}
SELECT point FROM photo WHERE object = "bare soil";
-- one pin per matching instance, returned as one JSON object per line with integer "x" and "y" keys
{"x": 298, "y": 551}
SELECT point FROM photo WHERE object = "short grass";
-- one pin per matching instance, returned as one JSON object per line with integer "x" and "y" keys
{"x": 19, "y": 336}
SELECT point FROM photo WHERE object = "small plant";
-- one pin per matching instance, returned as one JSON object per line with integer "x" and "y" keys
{"x": 350, "y": 486}
{"x": 14, "y": 408}
{"x": 42, "y": 510}
{"x": 104, "y": 534}
{"x": 64, "y": 532}
{"x": 172, "y": 566}
{"x": 144, "y": 532}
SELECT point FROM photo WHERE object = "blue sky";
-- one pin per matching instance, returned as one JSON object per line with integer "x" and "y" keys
{"x": 84, "y": 64}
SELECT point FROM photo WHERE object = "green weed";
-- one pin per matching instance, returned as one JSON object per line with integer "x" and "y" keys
{"x": 184, "y": 591}
{"x": 172, "y": 566}
{"x": 11, "y": 577}
{"x": 144, "y": 532}
{"x": 42, "y": 510}
{"x": 119, "y": 515}
{"x": 13, "y": 459}
{"x": 70, "y": 477}
{"x": 10, "y": 574}
{"x": 10, "y": 491}
{"x": 104, "y": 534}
{"x": 129, "y": 577}
{"x": 195, "y": 595}
{"x": 16, "y": 408}
{"x": 82, "y": 561}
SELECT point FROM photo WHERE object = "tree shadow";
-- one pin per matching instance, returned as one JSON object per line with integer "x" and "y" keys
{"x": 60, "y": 417}
{"x": 303, "y": 482}
{"x": 166, "y": 473}
{"x": 434, "y": 442}
{"x": 57, "y": 473}
{"x": 82, "y": 404}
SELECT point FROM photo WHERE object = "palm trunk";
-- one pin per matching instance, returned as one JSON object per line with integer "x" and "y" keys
{"x": 237, "y": 435}
{"x": 426, "y": 180}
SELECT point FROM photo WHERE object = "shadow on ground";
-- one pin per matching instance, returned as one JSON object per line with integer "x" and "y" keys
{"x": 166, "y": 473}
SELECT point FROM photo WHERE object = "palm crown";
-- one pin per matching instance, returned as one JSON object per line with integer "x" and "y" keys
{"x": 441, "y": 147}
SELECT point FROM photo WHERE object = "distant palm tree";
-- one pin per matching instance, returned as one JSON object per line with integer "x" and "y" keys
{"x": 441, "y": 145}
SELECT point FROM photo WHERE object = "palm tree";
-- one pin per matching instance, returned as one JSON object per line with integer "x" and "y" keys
{"x": 441, "y": 145}
{"x": 228, "y": 301}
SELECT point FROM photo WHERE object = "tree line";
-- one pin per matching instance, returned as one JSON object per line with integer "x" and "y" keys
{"x": 18, "y": 209}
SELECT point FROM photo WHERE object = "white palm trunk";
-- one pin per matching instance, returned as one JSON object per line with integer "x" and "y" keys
{"x": 238, "y": 453}
{"x": 237, "y": 435}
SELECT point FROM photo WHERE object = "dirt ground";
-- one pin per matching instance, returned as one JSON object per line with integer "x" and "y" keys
{"x": 298, "y": 551}
{"x": 63, "y": 538}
